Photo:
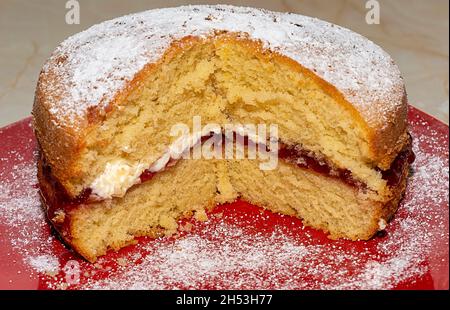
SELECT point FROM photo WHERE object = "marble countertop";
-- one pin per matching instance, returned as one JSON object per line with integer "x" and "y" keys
{"x": 414, "y": 32}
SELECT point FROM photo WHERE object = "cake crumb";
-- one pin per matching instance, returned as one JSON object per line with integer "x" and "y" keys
{"x": 122, "y": 261}
{"x": 98, "y": 266}
{"x": 200, "y": 215}
{"x": 382, "y": 224}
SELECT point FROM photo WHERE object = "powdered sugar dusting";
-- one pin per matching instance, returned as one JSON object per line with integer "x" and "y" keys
{"x": 21, "y": 212}
{"x": 232, "y": 257}
{"x": 45, "y": 264}
{"x": 90, "y": 68}
{"x": 100, "y": 62}
{"x": 227, "y": 252}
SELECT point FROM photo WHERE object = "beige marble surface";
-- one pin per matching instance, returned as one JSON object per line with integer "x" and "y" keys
{"x": 415, "y": 32}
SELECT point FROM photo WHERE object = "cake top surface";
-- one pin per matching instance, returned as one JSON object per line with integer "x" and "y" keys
{"x": 91, "y": 67}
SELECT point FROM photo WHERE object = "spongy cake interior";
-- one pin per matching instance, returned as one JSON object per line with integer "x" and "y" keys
{"x": 226, "y": 81}
{"x": 190, "y": 187}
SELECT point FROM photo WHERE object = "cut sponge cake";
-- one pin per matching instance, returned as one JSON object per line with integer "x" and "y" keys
{"x": 108, "y": 98}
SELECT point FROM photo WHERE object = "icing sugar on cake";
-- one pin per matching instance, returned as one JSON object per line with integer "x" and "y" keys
{"x": 95, "y": 65}
{"x": 230, "y": 255}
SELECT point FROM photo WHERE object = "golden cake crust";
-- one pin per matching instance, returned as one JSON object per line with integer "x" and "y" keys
{"x": 67, "y": 107}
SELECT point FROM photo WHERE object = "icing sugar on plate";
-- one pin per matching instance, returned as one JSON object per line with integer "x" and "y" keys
{"x": 242, "y": 246}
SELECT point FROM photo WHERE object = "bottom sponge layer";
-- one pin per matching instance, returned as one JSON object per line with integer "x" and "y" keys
{"x": 191, "y": 187}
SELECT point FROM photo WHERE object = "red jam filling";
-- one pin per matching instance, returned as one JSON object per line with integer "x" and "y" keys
{"x": 303, "y": 159}
{"x": 393, "y": 176}
{"x": 57, "y": 197}
{"x": 147, "y": 175}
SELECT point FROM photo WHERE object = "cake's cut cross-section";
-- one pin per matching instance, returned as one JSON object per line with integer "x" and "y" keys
{"x": 108, "y": 99}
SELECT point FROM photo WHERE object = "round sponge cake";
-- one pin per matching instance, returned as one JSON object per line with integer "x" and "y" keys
{"x": 108, "y": 97}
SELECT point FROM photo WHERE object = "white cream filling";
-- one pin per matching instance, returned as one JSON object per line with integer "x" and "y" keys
{"x": 117, "y": 177}
{"x": 120, "y": 175}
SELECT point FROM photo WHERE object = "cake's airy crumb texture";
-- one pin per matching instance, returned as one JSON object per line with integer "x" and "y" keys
{"x": 200, "y": 50}
{"x": 108, "y": 98}
{"x": 97, "y": 63}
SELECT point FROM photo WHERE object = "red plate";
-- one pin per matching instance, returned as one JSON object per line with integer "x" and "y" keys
{"x": 241, "y": 246}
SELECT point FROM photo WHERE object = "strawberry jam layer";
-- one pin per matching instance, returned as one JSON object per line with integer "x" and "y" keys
{"x": 393, "y": 176}
{"x": 305, "y": 159}
{"x": 57, "y": 199}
